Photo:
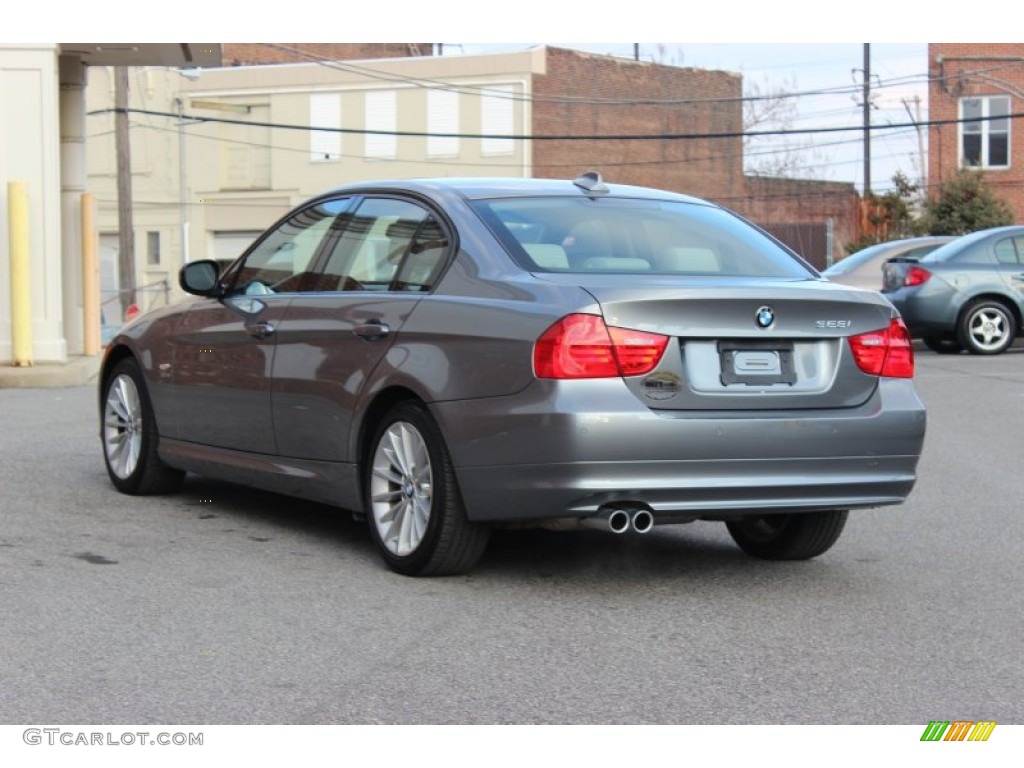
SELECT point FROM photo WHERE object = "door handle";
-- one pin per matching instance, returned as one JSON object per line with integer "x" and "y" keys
{"x": 260, "y": 330}
{"x": 371, "y": 331}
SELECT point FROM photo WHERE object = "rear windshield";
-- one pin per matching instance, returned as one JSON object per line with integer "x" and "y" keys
{"x": 634, "y": 236}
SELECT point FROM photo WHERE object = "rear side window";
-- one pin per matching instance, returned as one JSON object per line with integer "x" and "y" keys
{"x": 386, "y": 245}
{"x": 1008, "y": 251}
{"x": 634, "y": 236}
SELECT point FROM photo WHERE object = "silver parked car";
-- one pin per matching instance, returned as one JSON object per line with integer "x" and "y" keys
{"x": 968, "y": 294}
{"x": 444, "y": 356}
{"x": 863, "y": 269}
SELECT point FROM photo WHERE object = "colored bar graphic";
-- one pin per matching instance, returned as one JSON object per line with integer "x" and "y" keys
{"x": 982, "y": 730}
{"x": 958, "y": 730}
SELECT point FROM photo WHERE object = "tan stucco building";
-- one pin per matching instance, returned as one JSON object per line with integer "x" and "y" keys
{"x": 43, "y": 157}
{"x": 221, "y": 154}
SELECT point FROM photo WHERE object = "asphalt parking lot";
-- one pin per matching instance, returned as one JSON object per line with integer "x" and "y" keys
{"x": 225, "y": 605}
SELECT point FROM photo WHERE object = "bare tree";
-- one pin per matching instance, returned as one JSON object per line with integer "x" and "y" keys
{"x": 774, "y": 108}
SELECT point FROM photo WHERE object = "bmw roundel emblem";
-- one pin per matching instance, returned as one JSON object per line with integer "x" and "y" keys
{"x": 765, "y": 317}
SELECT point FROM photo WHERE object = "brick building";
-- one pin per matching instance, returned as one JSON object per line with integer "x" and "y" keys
{"x": 588, "y": 94}
{"x": 815, "y": 218}
{"x": 982, "y": 83}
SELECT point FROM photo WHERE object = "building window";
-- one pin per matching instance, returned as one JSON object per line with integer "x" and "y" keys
{"x": 153, "y": 248}
{"x": 325, "y": 112}
{"x": 380, "y": 116}
{"x": 497, "y": 118}
{"x": 985, "y": 140}
{"x": 442, "y": 117}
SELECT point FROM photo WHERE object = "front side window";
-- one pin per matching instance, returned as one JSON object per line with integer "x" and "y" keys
{"x": 283, "y": 261}
{"x": 634, "y": 236}
{"x": 985, "y": 137}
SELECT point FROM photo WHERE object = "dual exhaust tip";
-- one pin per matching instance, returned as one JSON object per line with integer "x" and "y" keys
{"x": 620, "y": 520}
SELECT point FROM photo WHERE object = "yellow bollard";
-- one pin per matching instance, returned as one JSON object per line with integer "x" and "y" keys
{"x": 21, "y": 283}
{"x": 90, "y": 277}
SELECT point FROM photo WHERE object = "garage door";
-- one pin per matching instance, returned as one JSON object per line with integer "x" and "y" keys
{"x": 228, "y": 246}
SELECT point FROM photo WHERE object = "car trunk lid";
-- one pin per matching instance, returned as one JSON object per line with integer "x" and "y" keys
{"x": 747, "y": 345}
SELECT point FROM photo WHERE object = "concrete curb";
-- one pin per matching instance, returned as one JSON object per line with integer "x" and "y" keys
{"x": 76, "y": 372}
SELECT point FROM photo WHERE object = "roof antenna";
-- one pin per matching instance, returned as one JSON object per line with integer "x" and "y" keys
{"x": 592, "y": 183}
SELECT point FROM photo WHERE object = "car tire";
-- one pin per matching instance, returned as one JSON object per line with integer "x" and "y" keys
{"x": 412, "y": 500}
{"x": 796, "y": 536}
{"x": 942, "y": 345}
{"x": 987, "y": 327}
{"x": 130, "y": 436}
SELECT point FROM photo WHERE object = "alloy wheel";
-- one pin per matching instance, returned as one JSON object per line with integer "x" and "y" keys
{"x": 988, "y": 328}
{"x": 122, "y": 426}
{"x": 401, "y": 488}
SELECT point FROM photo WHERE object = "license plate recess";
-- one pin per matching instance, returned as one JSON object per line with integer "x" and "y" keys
{"x": 757, "y": 363}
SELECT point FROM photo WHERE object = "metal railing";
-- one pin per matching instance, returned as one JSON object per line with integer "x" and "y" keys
{"x": 148, "y": 297}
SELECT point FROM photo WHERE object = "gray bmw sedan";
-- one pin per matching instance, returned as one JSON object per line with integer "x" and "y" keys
{"x": 446, "y": 356}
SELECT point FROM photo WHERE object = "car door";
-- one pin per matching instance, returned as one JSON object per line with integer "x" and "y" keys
{"x": 226, "y": 346}
{"x": 1010, "y": 263}
{"x": 388, "y": 254}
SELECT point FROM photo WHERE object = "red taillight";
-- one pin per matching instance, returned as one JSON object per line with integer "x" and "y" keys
{"x": 885, "y": 352}
{"x": 916, "y": 276}
{"x": 583, "y": 347}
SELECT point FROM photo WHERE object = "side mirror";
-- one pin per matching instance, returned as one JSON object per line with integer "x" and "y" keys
{"x": 200, "y": 278}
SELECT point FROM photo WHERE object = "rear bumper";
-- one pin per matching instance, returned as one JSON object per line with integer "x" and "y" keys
{"x": 565, "y": 449}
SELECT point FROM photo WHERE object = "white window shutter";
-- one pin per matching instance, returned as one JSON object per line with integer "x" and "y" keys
{"x": 442, "y": 117}
{"x": 324, "y": 112}
{"x": 497, "y": 118}
{"x": 380, "y": 116}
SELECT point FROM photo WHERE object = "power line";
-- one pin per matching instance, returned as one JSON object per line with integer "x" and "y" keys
{"x": 744, "y": 154}
{"x": 560, "y": 137}
{"x": 491, "y": 91}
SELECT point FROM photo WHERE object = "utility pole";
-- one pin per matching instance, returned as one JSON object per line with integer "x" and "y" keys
{"x": 915, "y": 117}
{"x": 867, "y": 119}
{"x": 182, "y": 185}
{"x": 125, "y": 231}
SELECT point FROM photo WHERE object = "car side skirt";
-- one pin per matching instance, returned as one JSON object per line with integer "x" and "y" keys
{"x": 326, "y": 482}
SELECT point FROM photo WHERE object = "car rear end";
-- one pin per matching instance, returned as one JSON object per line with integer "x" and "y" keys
{"x": 927, "y": 301}
{"x": 698, "y": 370}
